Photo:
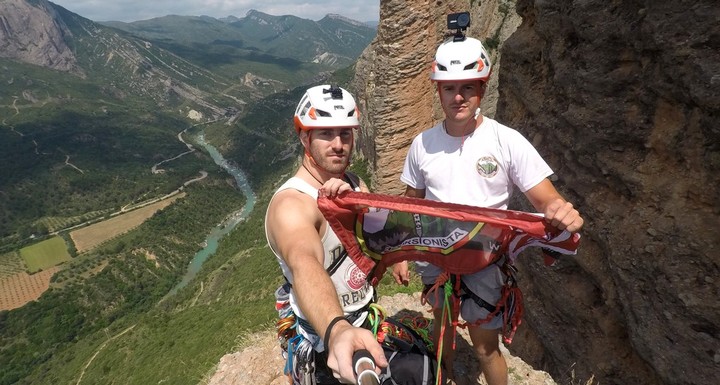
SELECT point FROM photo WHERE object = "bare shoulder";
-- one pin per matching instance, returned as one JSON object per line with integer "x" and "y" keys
{"x": 291, "y": 202}
{"x": 293, "y": 227}
{"x": 290, "y": 209}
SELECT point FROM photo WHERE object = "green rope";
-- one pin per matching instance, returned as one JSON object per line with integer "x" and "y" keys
{"x": 448, "y": 292}
{"x": 376, "y": 317}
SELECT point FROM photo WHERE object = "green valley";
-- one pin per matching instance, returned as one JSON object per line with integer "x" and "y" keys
{"x": 115, "y": 127}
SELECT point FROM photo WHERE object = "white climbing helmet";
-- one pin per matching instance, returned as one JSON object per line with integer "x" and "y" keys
{"x": 326, "y": 107}
{"x": 461, "y": 60}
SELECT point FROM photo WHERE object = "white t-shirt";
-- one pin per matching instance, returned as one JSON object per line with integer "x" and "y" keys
{"x": 480, "y": 169}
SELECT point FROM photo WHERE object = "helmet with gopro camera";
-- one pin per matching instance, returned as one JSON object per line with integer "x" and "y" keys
{"x": 460, "y": 57}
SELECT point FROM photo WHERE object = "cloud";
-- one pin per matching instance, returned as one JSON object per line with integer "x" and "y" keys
{"x": 133, "y": 10}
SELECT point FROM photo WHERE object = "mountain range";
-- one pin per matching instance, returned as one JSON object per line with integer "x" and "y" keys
{"x": 59, "y": 60}
{"x": 264, "y": 51}
{"x": 334, "y": 40}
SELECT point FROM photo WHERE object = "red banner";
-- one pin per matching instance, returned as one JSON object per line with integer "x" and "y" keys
{"x": 380, "y": 230}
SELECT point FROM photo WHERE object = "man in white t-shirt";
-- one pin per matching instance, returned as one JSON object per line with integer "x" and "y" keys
{"x": 471, "y": 159}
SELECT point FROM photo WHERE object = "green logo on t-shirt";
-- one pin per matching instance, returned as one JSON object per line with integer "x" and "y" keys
{"x": 487, "y": 166}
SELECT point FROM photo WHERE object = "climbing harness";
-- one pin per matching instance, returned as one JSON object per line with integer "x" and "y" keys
{"x": 303, "y": 363}
{"x": 405, "y": 339}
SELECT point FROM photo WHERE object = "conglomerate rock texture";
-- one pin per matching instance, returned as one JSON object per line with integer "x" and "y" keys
{"x": 622, "y": 98}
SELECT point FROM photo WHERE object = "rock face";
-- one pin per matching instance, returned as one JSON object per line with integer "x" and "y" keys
{"x": 623, "y": 101}
{"x": 32, "y": 33}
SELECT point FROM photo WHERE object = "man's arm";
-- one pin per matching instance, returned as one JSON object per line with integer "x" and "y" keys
{"x": 414, "y": 192}
{"x": 294, "y": 231}
{"x": 293, "y": 224}
{"x": 558, "y": 212}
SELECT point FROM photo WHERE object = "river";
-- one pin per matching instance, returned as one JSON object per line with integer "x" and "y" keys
{"x": 211, "y": 243}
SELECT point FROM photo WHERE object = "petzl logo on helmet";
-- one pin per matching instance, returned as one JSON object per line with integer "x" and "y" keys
{"x": 487, "y": 166}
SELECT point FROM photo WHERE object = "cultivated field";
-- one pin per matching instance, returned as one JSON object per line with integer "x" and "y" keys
{"x": 10, "y": 264}
{"x": 91, "y": 236}
{"x": 18, "y": 289}
{"x": 45, "y": 254}
{"x": 59, "y": 223}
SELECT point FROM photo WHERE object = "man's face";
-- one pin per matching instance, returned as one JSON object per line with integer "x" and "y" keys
{"x": 330, "y": 147}
{"x": 460, "y": 99}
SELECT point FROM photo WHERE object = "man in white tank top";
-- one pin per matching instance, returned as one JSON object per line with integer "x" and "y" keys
{"x": 471, "y": 159}
{"x": 326, "y": 286}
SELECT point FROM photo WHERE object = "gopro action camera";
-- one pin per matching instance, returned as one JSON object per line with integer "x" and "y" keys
{"x": 459, "y": 22}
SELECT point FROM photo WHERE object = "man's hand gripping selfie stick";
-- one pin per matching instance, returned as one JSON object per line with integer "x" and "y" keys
{"x": 365, "y": 368}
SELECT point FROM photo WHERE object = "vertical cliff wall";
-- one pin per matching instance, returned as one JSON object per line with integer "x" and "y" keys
{"x": 622, "y": 99}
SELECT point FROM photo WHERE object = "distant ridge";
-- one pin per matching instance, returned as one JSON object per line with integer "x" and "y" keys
{"x": 335, "y": 41}
{"x": 345, "y": 19}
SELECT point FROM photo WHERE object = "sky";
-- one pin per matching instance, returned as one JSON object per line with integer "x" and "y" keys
{"x": 134, "y": 10}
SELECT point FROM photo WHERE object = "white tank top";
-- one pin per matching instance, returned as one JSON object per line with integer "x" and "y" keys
{"x": 354, "y": 291}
